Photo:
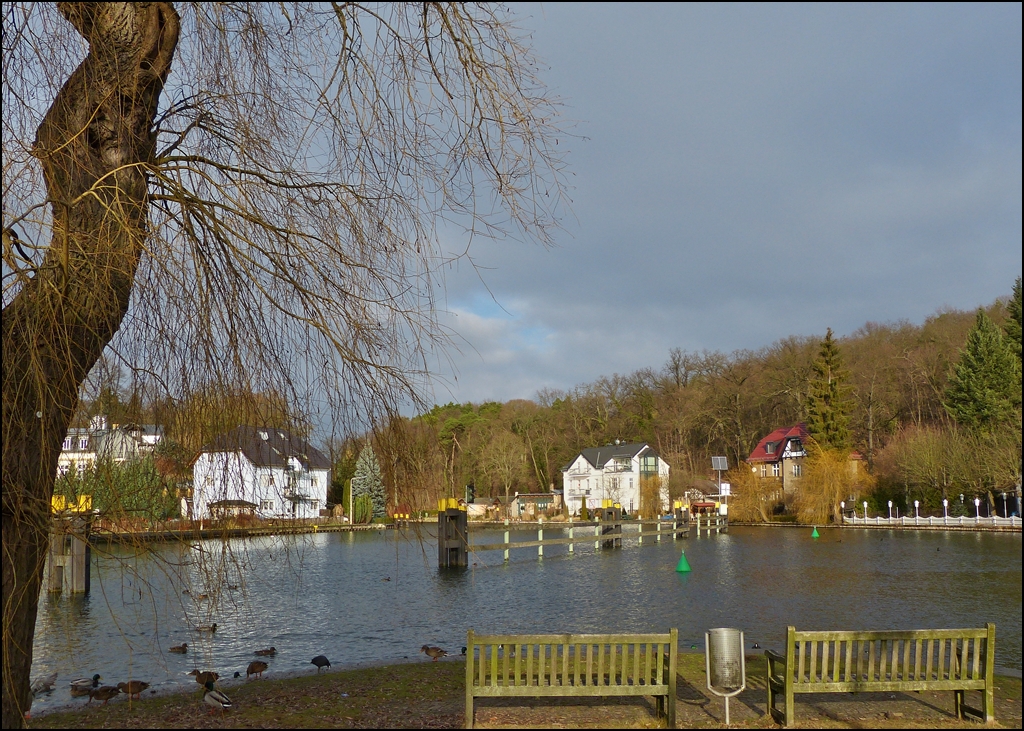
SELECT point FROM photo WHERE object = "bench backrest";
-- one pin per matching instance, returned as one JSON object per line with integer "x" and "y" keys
{"x": 570, "y": 660}
{"x": 890, "y": 656}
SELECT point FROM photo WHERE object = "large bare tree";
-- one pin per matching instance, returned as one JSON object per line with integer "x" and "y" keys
{"x": 243, "y": 196}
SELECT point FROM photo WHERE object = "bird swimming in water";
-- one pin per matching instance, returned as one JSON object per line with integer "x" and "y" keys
{"x": 266, "y": 652}
{"x": 179, "y": 649}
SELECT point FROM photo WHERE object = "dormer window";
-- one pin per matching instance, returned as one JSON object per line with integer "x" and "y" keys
{"x": 769, "y": 447}
{"x": 795, "y": 445}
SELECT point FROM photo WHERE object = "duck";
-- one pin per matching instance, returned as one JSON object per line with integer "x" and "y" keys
{"x": 104, "y": 693}
{"x": 85, "y": 684}
{"x": 266, "y": 652}
{"x": 434, "y": 652}
{"x": 133, "y": 688}
{"x": 214, "y": 698}
{"x": 44, "y": 684}
{"x": 321, "y": 662}
{"x": 180, "y": 649}
{"x": 211, "y": 628}
{"x": 757, "y": 646}
{"x": 202, "y": 597}
{"x": 256, "y": 667}
{"x": 202, "y": 677}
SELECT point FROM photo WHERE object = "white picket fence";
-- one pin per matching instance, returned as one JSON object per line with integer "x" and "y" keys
{"x": 930, "y": 522}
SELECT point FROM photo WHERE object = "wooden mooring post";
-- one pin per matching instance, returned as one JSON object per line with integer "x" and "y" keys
{"x": 452, "y": 538}
{"x": 69, "y": 557}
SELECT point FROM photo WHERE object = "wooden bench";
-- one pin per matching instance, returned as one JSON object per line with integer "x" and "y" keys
{"x": 849, "y": 662}
{"x": 580, "y": 666}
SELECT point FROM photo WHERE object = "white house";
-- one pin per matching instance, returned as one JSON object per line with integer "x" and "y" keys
{"x": 613, "y": 472}
{"x": 259, "y": 470}
{"x": 84, "y": 446}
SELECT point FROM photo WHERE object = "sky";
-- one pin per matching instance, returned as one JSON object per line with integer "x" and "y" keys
{"x": 746, "y": 173}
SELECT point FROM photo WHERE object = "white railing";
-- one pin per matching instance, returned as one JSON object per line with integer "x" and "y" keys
{"x": 959, "y": 521}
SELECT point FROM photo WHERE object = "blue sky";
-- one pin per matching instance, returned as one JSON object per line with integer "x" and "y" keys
{"x": 746, "y": 173}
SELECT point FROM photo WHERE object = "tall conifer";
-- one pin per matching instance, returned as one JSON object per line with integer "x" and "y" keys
{"x": 1013, "y": 323}
{"x": 368, "y": 481}
{"x": 985, "y": 388}
{"x": 829, "y": 405}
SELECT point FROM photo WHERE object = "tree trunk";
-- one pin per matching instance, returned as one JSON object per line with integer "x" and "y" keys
{"x": 93, "y": 145}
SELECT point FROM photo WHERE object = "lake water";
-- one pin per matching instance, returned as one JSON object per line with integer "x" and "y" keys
{"x": 329, "y": 594}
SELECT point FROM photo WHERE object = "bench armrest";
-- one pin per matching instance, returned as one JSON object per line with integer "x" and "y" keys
{"x": 774, "y": 657}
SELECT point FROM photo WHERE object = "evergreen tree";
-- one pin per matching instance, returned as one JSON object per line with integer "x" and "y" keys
{"x": 368, "y": 482}
{"x": 985, "y": 388}
{"x": 828, "y": 406}
{"x": 1013, "y": 321}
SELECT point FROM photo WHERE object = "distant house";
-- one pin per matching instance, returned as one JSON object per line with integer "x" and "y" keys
{"x": 261, "y": 471}
{"x": 781, "y": 454}
{"x": 613, "y": 472}
{"x": 84, "y": 446}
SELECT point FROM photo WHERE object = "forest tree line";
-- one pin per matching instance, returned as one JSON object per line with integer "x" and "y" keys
{"x": 916, "y": 440}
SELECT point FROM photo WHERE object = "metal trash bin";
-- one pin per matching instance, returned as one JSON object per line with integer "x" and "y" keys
{"x": 725, "y": 663}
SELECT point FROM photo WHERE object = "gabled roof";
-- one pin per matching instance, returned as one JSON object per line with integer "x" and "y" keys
{"x": 598, "y": 457}
{"x": 779, "y": 438}
{"x": 269, "y": 447}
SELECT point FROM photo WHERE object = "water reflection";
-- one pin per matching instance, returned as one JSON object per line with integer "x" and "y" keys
{"x": 373, "y": 597}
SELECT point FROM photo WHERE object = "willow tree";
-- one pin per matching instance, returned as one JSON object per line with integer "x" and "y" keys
{"x": 242, "y": 195}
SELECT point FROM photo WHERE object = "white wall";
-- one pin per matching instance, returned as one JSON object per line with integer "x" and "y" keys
{"x": 231, "y": 476}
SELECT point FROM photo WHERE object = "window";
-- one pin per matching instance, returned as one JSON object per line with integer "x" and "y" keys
{"x": 798, "y": 470}
{"x": 775, "y": 469}
{"x": 314, "y": 504}
{"x": 795, "y": 445}
{"x": 649, "y": 464}
{"x": 769, "y": 447}
{"x": 764, "y": 470}
{"x": 67, "y": 445}
{"x": 267, "y": 505}
{"x": 83, "y": 443}
{"x": 63, "y": 469}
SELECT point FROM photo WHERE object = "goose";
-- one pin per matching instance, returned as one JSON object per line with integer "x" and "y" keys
{"x": 434, "y": 652}
{"x": 180, "y": 649}
{"x": 104, "y": 693}
{"x": 44, "y": 684}
{"x": 256, "y": 667}
{"x": 133, "y": 688}
{"x": 215, "y": 699}
{"x": 321, "y": 662}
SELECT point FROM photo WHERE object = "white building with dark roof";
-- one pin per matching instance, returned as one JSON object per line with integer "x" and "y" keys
{"x": 613, "y": 472}
{"x": 261, "y": 471}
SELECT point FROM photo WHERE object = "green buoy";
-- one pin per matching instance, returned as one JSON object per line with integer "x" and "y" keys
{"x": 815, "y": 533}
{"x": 683, "y": 566}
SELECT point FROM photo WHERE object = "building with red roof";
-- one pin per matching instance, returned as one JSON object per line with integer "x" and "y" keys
{"x": 780, "y": 455}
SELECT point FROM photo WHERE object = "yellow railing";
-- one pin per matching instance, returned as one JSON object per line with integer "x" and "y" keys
{"x": 61, "y": 504}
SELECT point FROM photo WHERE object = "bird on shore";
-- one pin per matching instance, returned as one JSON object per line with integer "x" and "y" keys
{"x": 180, "y": 649}
{"x": 321, "y": 662}
{"x": 215, "y": 699}
{"x": 204, "y": 677}
{"x": 133, "y": 688}
{"x": 464, "y": 648}
{"x": 266, "y": 652}
{"x": 211, "y": 628}
{"x": 44, "y": 684}
{"x": 434, "y": 652}
{"x": 82, "y": 686}
{"x": 256, "y": 667}
{"x": 104, "y": 693}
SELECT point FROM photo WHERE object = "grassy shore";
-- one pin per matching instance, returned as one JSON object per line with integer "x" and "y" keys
{"x": 431, "y": 695}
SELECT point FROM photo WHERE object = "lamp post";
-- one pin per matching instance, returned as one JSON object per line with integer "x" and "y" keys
{"x": 1006, "y": 510}
{"x": 865, "y": 510}
{"x": 917, "y": 513}
{"x": 842, "y": 510}
{"x": 945, "y": 509}
{"x": 890, "y": 510}
{"x": 977, "y": 509}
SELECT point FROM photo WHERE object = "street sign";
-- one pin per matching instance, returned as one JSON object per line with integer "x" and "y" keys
{"x": 726, "y": 490}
